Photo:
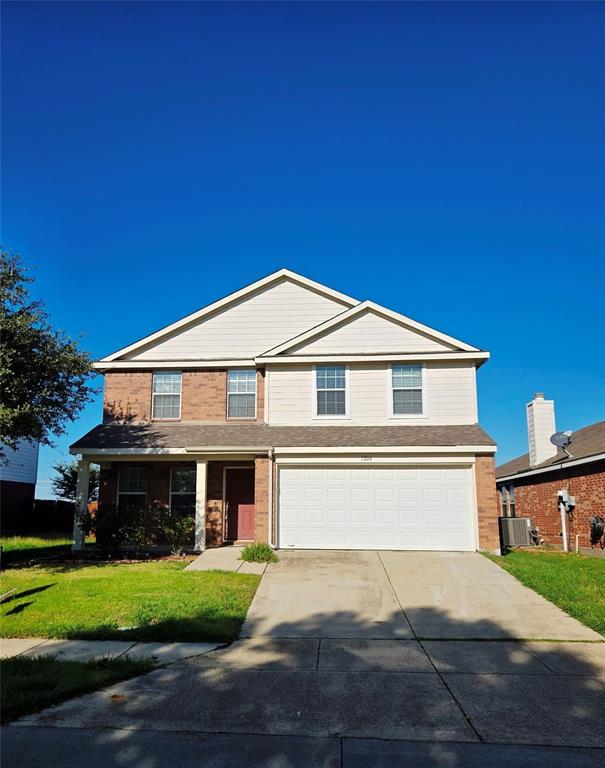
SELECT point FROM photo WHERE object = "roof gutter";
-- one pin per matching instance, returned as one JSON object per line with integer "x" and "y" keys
{"x": 286, "y": 450}
{"x": 285, "y": 359}
{"x": 552, "y": 468}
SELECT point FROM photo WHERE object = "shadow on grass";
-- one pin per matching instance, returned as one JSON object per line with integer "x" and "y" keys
{"x": 24, "y": 556}
{"x": 27, "y": 593}
{"x": 18, "y": 609}
{"x": 203, "y": 627}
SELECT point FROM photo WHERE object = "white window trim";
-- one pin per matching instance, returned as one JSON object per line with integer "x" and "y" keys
{"x": 504, "y": 508}
{"x": 131, "y": 493}
{"x": 330, "y": 416}
{"x": 406, "y": 416}
{"x": 154, "y": 394}
{"x": 172, "y": 493}
{"x": 241, "y": 418}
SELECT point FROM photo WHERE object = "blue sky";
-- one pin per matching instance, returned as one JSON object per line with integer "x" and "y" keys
{"x": 445, "y": 160}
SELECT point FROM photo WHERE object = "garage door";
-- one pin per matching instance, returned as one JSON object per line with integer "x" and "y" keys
{"x": 377, "y": 508}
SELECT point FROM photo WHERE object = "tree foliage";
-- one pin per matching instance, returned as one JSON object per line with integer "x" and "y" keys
{"x": 44, "y": 377}
{"x": 65, "y": 483}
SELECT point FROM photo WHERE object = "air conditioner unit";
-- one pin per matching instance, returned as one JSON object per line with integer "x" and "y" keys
{"x": 514, "y": 531}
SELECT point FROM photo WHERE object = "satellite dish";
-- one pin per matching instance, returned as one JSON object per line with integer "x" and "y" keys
{"x": 561, "y": 439}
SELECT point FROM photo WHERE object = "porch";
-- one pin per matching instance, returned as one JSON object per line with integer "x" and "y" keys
{"x": 228, "y": 498}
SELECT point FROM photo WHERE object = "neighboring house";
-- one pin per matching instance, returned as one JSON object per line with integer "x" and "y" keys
{"x": 528, "y": 486}
{"x": 18, "y": 484}
{"x": 290, "y": 413}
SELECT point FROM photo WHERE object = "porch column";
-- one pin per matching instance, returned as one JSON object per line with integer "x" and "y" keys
{"x": 201, "y": 474}
{"x": 81, "y": 504}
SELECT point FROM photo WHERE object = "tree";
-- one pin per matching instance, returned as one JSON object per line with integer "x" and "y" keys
{"x": 65, "y": 484}
{"x": 44, "y": 377}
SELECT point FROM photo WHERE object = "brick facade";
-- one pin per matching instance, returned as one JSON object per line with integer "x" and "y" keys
{"x": 536, "y": 497}
{"x": 159, "y": 490}
{"x": 487, "y": 503}
{"x": 261, "y": 499}
{"x": 127, "y": 396}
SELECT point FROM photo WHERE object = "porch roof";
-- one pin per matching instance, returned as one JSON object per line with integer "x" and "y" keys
{"x": 256, "y": 437}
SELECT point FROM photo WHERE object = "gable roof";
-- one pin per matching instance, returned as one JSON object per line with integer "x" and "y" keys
{"x": 224, "y": 303}
{"x": 586, "y": 442}
{"x": 348, "y": 316}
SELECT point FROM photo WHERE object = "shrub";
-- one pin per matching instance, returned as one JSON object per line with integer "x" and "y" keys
{"x": 107, "y": 525}
{"x": 177, "y": 529}
{"x": 259, "y": 552}
{"x": 139, "y": 527}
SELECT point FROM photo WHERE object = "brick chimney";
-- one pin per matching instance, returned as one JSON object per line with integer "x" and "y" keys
{"x": 540, "y": 426}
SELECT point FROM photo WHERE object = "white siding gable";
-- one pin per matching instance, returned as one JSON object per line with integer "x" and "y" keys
{"x": 450, "y": 395}
{"x": 22, "y": 466}
{"x": 248, "y": 327}
{"x": 372, "y": 333}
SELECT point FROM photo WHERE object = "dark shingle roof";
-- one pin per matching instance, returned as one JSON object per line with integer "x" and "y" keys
{"x": 586, "y": 442}
{"x": 157, "y": 435}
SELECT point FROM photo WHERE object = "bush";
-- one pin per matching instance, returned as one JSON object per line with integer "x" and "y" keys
{"x": 259, "y": 552}
{"x": 139, "y": 527}
{"x": 106, "y": 524}
{"x": 178, "y": 530}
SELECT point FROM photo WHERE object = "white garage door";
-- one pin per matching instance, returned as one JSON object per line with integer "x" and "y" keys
{"x": 377, "y": 508}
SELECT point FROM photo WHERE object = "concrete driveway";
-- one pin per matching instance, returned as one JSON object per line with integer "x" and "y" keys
{"x": 338, "y": 672}
{"x": 401, "y": 595}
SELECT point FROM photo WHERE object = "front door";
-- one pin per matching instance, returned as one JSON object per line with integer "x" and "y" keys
{"x": 239, "y": 503}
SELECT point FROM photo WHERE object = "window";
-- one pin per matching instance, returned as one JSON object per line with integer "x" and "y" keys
{"x": 166, "y": 395}
{"x": 508, "y": 500}
{"x": 407, "y": 390}
{"x": 504, "y": 497}
{"x": 511, "y": 500}
{"x": 241, "y": 394}
{"x": 330, "y": 384}
{"x": 132, "y": 487}
{"x": 182, "y": 491}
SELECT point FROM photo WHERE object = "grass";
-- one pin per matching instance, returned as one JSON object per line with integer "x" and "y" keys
{"x": 135, "y": 601}
{"x": 20, "y": 548}
{"x": 31, "y": 684}
{"x": 575, "y": 583}
{"x": 258, "y": 552}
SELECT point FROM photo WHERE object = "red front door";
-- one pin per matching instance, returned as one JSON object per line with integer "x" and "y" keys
{"x": 239, "y": 503}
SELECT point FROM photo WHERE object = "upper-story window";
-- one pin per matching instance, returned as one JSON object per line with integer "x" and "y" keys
{"x": 166, "y": 395}
{"x": 241, "y": 394}
{"x": 331, "y": 390}
{"x": 408, "y": 394}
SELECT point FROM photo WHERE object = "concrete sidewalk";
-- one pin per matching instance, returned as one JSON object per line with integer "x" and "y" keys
{"x": 225, "y": 559}
{"x": 441, "y": 692}
{"x": 85, "y": 650}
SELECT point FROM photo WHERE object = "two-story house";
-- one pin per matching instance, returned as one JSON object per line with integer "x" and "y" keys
{"x": 290, "y": 413}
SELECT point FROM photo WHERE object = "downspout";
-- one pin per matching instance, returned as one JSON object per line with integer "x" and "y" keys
{"x": 270, "y": 455}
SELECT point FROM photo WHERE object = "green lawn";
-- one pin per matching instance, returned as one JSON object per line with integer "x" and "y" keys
{"x": 31, "y": 684}
{"x": 138, "y": 601}
{"x": 20, "y": 548}
{"x": 575, "y": 583}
